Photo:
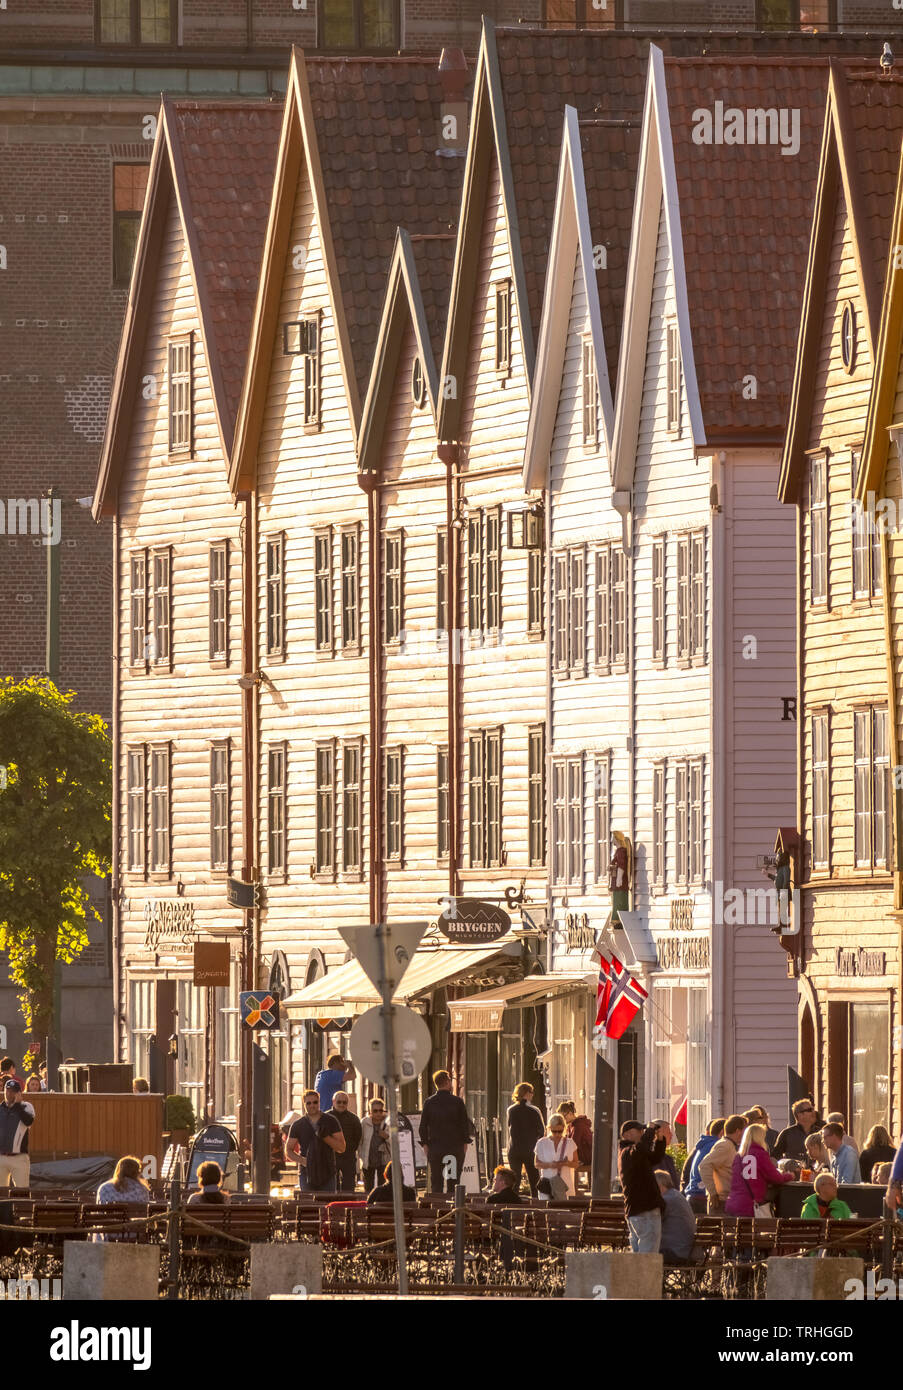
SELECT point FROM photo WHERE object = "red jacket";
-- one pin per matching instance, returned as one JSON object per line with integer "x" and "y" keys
{"x": 581, "y": 1131}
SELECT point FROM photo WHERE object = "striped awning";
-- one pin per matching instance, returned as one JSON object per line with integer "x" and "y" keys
{"x": 483, "y": 1013}
{"x": 346, "y": 991}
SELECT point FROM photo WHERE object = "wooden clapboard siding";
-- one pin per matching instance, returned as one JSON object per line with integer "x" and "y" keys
{"x": 95, "y": 1124}
{"x": 892, "y": 490}
{"x": 843, "y": 663}
{"x": 672, "y": 704}
{"x": 414, "y": 691}
{"x": 182, "y": 502}
{"x": 306, "y": 480}
{"x": 589, "y": 714}
{"x": 761, "y": 765}
{"x": 503, "y": 685}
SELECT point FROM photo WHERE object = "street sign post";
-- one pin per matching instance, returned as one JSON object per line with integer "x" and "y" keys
{"x": 384, "y": 950}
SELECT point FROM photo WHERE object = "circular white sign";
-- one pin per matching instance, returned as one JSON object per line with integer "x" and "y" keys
{"x": 412, "y": 1045}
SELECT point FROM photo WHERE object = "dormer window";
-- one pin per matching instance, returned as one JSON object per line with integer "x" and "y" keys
{"x": 503, "y": 328}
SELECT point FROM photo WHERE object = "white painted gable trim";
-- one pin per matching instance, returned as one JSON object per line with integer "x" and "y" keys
{"x": 656, "y": 189}
{"x": 571, "y": 237}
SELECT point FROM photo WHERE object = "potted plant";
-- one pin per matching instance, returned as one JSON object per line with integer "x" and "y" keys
{"x": 179, "y": 1119}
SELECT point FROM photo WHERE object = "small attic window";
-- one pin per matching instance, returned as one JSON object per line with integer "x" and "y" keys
{"x": 418, "y": 384}
{"x": 300, "y": 338}
{"x": 848, "y": 337}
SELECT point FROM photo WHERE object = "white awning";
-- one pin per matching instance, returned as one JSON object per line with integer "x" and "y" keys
{"x": 346, "y": 991}
{"x": 483, "y": 1013}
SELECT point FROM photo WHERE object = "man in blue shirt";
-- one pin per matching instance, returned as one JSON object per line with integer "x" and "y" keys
{"x": 330, "y": 1080}
{"x": 843, "y": 1161}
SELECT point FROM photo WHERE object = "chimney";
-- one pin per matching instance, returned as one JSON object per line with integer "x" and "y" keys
{"x": 453, "y": 114}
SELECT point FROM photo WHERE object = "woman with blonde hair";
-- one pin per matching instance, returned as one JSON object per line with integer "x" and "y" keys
{"x": 751, "y": 1174}
{"x": 879, "y": 1148}
{"x": 126, "y": 1185}
{"x": 525, "y": 1127}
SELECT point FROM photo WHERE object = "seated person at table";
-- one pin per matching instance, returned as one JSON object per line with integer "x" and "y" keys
{"x": 383, "y": 1191}
{"x": 843, "y": 1158}
{"x": 210, "y": 1177}
{"x": 504, "y": 1188}
{"x": 817, "y": 1156}
{"x": 824, "y": 1201}
{"x": 878, "y": 1149}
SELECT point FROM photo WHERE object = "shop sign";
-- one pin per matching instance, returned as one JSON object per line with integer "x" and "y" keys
{"x": 241, "y": 894}
{"x": 211, "y": 963}
{"x": 579, "y": 935}
{"x": 684, "y": 953}
{"x": 171, "y": 919}
{"x": 258, "y": 1009}
{"x": 681, "y": 914}
{"x": 858, "y": 961}
{"x": 472, "y": 921}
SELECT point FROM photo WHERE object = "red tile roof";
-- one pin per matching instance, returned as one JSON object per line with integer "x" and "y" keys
{"x": 746, "y": 214}
{"x": 876, "y": 111}
{"x": 378, "y": 134}
{"x": 229, "y": 155}
{"x": 433, "y": 257}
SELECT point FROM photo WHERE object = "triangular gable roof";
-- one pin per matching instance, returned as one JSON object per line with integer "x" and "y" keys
{"x": 656, "y": 190}
{"x": 889, "y": 334}
{"x": 860, "y": 155}
{"x": 366, "y": 132}
{"x": 417, "y": 293}
{"x": 217, "y": 162}
{"x": 592, "y": 156}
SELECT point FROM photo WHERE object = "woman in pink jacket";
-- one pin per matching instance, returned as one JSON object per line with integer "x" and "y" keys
{"x": 751, "y": 1174}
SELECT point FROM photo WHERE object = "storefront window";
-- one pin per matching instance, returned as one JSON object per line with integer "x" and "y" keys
{"x": 142, "y": 999}
{"x": 190, "y": 1069}
{"x": 227, "y": 1045}
{"x": 679, "y": 1075}
{"x": 869, "y": 1068}
{"x": 563, "y": 1024}
{"x": 476, "y": 1076}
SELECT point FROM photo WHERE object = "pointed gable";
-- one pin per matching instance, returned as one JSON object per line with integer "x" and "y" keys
{"x": 853, "y": 205}
{"x": 214, "y": 164}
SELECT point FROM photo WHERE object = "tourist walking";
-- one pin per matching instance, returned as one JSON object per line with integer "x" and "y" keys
{"x": 843, "y": 1159}
{"x": 526, "y": 1127}
{"x": 444, "y": 1134}
{"x": 313, "y": 1142}
{"x": 792, "y": 1140}
{"x": 350, "y": 1125}
{"x": 375, "y": 1149}
{"x": 16, "y": 1118}
{"x": 640, "y": 1152}
{"x": 557, "y": 1161}
{"x": 752, "y": 1172}
{"x": 716, "y": 1167}
{"x": 879, "y": 1148}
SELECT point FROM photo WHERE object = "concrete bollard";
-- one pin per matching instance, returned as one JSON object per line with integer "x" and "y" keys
{"x": 602, "y": 1274}
{"x": 110, "y": 1271}
{"x": 802, "y": 1279}
{"x": 294, "y": 1268}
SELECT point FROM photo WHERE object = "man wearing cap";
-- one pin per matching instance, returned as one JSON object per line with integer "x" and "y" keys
{"x": 16, "y": 1117}
{"x": 640, "y": 1152}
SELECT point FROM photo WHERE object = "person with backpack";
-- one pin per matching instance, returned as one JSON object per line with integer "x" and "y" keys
{"x": 312, "y": 1143}
{"x": 691, "y": 1183}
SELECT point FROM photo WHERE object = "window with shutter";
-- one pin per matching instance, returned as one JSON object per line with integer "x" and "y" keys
{"x": 618, "y": 629}
{"x": 820, "y": 792}
{"x": 219, "y": 807}
{"x": 682, "y": 822}
{"x": 352, "y": 760}
{"x": 503, "y": 328}
{"x": 442, "y": 580}
{"x": 351, "y": 588}
{"x": 138, "y": 607}
{"x": 443, "y": 818}
{"x": 658, "y": 599}
{"x": 275, "y": 582}
{"x": 180, "y": 395}
{"x": 659, "y": 824}
{"x": 818, "y": 530}
{"x": 674, "y": 378}
{"x": 137, "y": 809}
{"x": 218, "y": 601}
{"x": 603, "y": 610}
{"x": 324, "y": 862}
{"x": 696, "y": 827}
{"x": 276, "y": 810}
{"x": 601, "y": 817}
{"x": 492, "y": 531}
{"x": 536, "y": 763}
{"x": 161, "y": 644}
{"x": 323, "y": 589}
{"x": 697, "y": 598}
{"x": 535, "y": 581}
{"x": 311, "y": 360}
{"x": 485, "y": 798}
{"x": 590, "y": 396}
{"x": 562, "y": 633}
{"x": 577, "y": 615}
{"x": 160, "y": 810}
{"x": 393, "y": 587}
{"x": 393, "y": 805}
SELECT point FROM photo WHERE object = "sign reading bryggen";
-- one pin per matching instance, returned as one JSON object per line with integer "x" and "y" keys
{"x": 471, "y": 921}
{"x": 169, "y": 920}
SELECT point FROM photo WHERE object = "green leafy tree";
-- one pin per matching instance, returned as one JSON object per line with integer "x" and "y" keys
{"x": 55, "y": 796}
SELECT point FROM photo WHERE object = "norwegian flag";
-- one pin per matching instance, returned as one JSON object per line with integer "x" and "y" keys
{"x": 618, "y": 996}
